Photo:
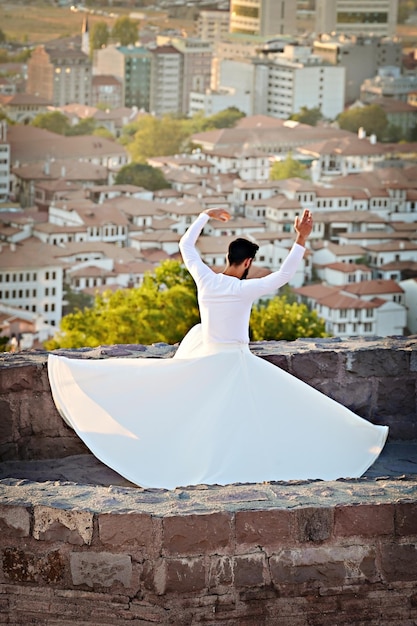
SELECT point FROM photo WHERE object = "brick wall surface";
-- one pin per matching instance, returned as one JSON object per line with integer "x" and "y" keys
{"x": 359, "y": 566}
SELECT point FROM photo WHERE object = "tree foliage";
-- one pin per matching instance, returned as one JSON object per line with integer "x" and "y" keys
{"x": 99, "y": 36}
{"x": 85, "y": 126}
{"x": 55, "y": 121}
{"x": 142, "y": 175}
{"x": 125, "y": 31}
{"x": 163, "y": 308}
{"x": 371, "y": 118}
{"x": 156, "y": 137}
{"x": 307, "y": 116}
{"x": 288, "y": 168}
{"x": 280, "y": 319}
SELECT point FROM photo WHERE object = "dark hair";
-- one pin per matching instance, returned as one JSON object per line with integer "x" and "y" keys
{"x": 241, "y": 249}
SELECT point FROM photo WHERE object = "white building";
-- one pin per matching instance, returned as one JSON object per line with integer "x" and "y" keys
{"x": 212, "y": 25}
{"x": 211, "y": 102}
{"x": 410, "y": 289}
{"x": 378, "y": 17}
{"x": 263, "y": 17}
{"x": 346, "y": 314}
{"x": 4, "y": 163}
{"x": 31, "y": 279}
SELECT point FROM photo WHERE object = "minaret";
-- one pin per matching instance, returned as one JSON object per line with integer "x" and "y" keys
{"x": 85, "y": 37}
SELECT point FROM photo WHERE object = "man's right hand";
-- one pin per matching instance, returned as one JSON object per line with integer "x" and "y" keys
{"x": 218, "y": 214}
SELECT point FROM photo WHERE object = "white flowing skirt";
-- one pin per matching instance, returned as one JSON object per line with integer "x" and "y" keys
{"x": 217, "y": 415}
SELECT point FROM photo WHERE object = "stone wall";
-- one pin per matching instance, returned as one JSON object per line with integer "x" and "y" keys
{"x": 310, "y": 553}
{"x": 304, "y": 565}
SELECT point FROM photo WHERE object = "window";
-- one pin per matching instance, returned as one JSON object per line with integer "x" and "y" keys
{"x": 342, "y": 328}
{"x": 369, "y": 312}
{"x": 343, "y": 313}
{"x": 367, "y": 327}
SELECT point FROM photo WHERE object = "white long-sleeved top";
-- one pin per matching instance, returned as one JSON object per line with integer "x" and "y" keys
{"x": 225, "y": 302}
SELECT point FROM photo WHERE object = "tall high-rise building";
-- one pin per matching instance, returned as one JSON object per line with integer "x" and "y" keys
{"x": 263, "y": 17}
{"x": 378, "y": 17}
{"x": 166, "y": 80}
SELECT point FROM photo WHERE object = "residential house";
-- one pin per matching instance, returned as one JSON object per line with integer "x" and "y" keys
{"x": 339, "y": 273}
{"x": 37, "y": 183}
{"x": 22, "y": 108}
{"x": 346, "y": 314}
{"x": 106, "y": 90}
{"x": 104, "y": 222}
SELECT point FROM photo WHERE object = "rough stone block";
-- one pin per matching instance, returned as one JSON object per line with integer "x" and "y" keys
{"x": 26, "y": 567}
{"x": 14, "y": 521}
{"x": 183, "y": 575}
{"x": 364, "y": 520}
{"x": 406, "y": 519}
{"x": 399, "y": 562}
{"x": 74, "y": 527}
{"x": 279, "y": 360}
{"x": 197, "y": 534}
{"x": 262, "y": 529}
{"x": 248, "y": 570}
{"x": 307, "y": 366}
{"x": 101, "y": 569}
{"x": 378, "y": 362}
{"x": 285, "y": 572}
{"x": 135, "y": 529}
{"x": 220, "y": 572}
{"x": 314, "y": 524}
{"x": 356, "y": 395}
{"x": 396, "y": 396}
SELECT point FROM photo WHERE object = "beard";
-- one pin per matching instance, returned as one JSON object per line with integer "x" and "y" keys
{"x": 245, "y": 274}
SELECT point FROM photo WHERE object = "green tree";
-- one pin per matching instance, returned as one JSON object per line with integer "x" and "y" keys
{"x": 279, "y": 319}
{"x": 156, "y": 137}
{"x": 225, "y": 119}
{"x": 85, "y": 126}
{"x": 125, "y": 31}
{"x": 163, "y": 308}
{"x": 288, "y": 168}
{"x": 99, "y": 36}
{"x": 75, "y": 301}
{"x": 371, "y": 118}
{"x": 102, "y": 131}
{"x": 307, "y": 116}
{"x": 3, "y": 38}
{"x": 142, "y": 175}
{"x": 55, "y": 121}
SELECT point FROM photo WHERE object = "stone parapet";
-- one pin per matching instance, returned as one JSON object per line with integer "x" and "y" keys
{"x": 298, "y": 553}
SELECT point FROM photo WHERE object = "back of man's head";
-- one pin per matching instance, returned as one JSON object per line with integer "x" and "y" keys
{"x": 241, "y": 249}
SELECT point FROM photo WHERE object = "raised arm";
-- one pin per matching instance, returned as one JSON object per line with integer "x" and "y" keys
{"x": 191, "y": 258}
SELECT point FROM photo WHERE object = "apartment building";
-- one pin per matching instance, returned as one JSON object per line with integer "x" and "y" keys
{"x": 389, "y": 83}
{"x": 377, "y": 17}
{"x": 166, "y": 80}
{"x": 196, "y": 68}
{"x": 131, "y": 65}
{"x": 212, "y": 25}
{"x": 31, "y": 279}
{"x": 263, "y": 17}
{"x": 4, "y": 162}
{"x": 60, "y": 75}
{"x": 361, "y": 56}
